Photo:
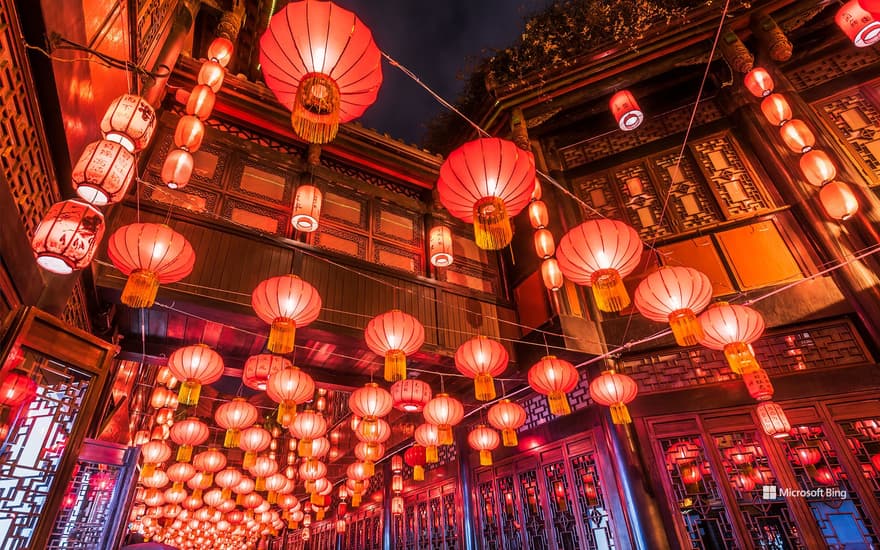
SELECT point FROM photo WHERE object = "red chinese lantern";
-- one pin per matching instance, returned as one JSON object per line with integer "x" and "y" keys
{"x": 369, "y": 454}
{"x": 797, "y": 136}
{"x": 858, "y": 24}
{"x": 335, "y": 75}
{"x": 776, "y": 109}
{"x": 258, "y": 369}
{"x": 253, "y": 440}
{"x": 545, "y": 244}
{"x": 175, "y": 494}
{"x": 154, "y": 452}
{"x": 626, "y": 110}
{"x": 838, "y": 200}
{"x": 824, "y": 476}
{"x": 614, "y": 390}
{"x": 484, "y": 440}
{"x": 179, "y": 473}
{"x": 428, "y": 436}
{"x": 67, "y": 237}
{"x": 150, "y": 254}
{"x": 308, "y": 426}
{"x": 817, "y": 167}
{"x": 158, "y": 480}
{"x": 806, "y": 456}
{"x": 444, "y": 412}
{"x": 758, "y": 384}
{"x": 201, "y": 102}
{"x": 598, "y": 254}
{"x": 177, "y": 169}
{"x": 358, "y": 473}
{"x": 538, "y": 216}
{"x": 397, "y": 479}
{"x": 486, "y": 181}
{"x": 262, "y": 468}
{"x": 508, "y": 417}
{"x": 683, "y": 452}
{"x": 196, "y": 365}
{"x": 189, "y": 133}
{"x": 759, "y": 82}
{"x": 394, "y": 335}
{"x": 285, "y": 302}
{"x": 773, "y": 420}
{"x": 17, "y": 389}
{"x": 289, "y": 388}
{"x": 188, "y": 433}
{"x": 373, "y": 434}
{"x": 440, "y": 246}
{"x": 211, "y": 74}
{"x": 130, "y": 122}
{"x": 731, "y": 328}
{"x": 551, "y": 274}
{"x": 235, "y": 416}
{"x": 675, "y": 295}
{"x": 208, "y": 462}
{"x": 220, "y": 50}
{"x": 415, "y": 458}
{"x": 482, "y": 359}
{"x": 306, "y": 208}
{"x": 103, "y": 173}
{"x": 554, "y": 378}
{"x": 410, "y": 395}
{"x": 370, "y": 403}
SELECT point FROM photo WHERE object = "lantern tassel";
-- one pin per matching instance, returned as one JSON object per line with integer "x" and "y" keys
{"x": 315, "y": 116}
{"x": 184, "y": 453}
{"x": 620, "y": 414}
{"x": 485, "y": 457}
{"x": 508, "y": 437}
{"x": 305, "y": 448}
{"x": 369, "y": 468}
{"x": 608, "y": 290}
{"x": 231, "y": 439}
{"x": 316, "y": 499}
{"x": 148, "y": 470}
{"x": 309, "y": 485}
{"x": 395, "y": 365}
{"x": 189, "y": 392}
{"x": 356, "y": 500}
{"x": 431, "y": 454}
{"x": 741, "y": 358}
{"x": 444, "y": 434}
{"x": 207, "y": 478}
{"x": 558, "y": 403}
{"x": 492, "y": 229}
{"x": 319, "y": 515}
{"x": 281, "y": 335}
{"x": 178, "y": 485}
{"x": 272, "y": 497}
{"x": 197, "y": 493}
{"x": 685, "y": 327}
{"x": 418, "y": 473}
{"x": 226, "y": 493}
{"x": 140, "y": 289}
{"x": 286, "y": 413}
{"x": 484, "y": 387}
{"x": 293, "y": 524}
{"x": 260, "y": 484}
{"x": 250, "y": 458}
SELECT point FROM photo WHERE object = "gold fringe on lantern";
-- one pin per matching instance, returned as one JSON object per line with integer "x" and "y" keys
{"x": 316, "y": 499}
{"x": 608, "y": 290}
{"x": 395, "y": 365}
{"x": 620, "y": 414}
{"x": 444, "y": 434}
{"x": 148, "y": 470}
{"x": 315, "y": 116}
{"x": 304, "y": 448}
{"x": 231, "y": 440}
{"x": 140, "y": 289}
{"x": 260, "y": 484}
{"x": 226, "y": 493}
{"x": 184, "y": 453}
{"x": 177, "y": 485}
{"x": 281, "y": 335}
{"x": 250, "y": 458}
{"x": 189, "y": 392}
{"x": 197, "y": 493}
{"x": 309, "y": 485}
{"x": 207, "y": 479}
{"x": 293, "y": 524}
{"x": 272, "y": 497}
{"x": 356, "y": 500}
{"x": 319, "y": 515}
{"x": 239, "y": 500}
{"x": 418, "y": 473}
{"x": 369, "y": 468}
{"x": 484, "y": 387}
{"x": 485, "y": 457}
{"x": 286, "y": 413}
{"x": 508, "y": 437}
{"x": 558, "y": 403}
{"x": 431, "y": 454}
{"x": 492, "y": 229}
{"x": 685, "y": 327}
{"x": 740, "y": 358}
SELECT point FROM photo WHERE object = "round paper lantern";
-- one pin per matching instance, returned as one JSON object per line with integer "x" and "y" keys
{"x": 196, "y": 365}
{"x": 211, "y": 74}
{"x": 258, "y": 369}
{"x": 253, "y": 440}
{"x": 806, "y": 456}
{"x": 486, "y": 181}
{"x": 179, "y": 473}
{"x": 369, "y": 453}
{"x": 285, "y": 302}
{"x": 538, "y": 215}
{"x": 545, "y": 244}
{"x": 130, "y": 122}
{"x": 307, "y": 426}
{"x": 235, "y": 416}
{"x": 67, "y": 237}
{"x": 776, "y": 109}
{"x": 428, "y": 436}
{"x": 188, "y": 433}
{"x": 758, "y": 384}
{"x": 817, "y": 167}
{"x": 189, "y": 133}
{"x": 614, "y": 390}
{"x": 410, "y": 395}
{"x": 440, "y": 246}
{"x": 209, "y": 462}
{"x": 175, "y": 494}
{"x": 262, "y": 468}
{"x": 370, "y": 403}
{"x": 320, "y": 447}
{"x": 551, "y": 274}
{"x": 17, "y": 389}
{"x": 599, "y": 253}
{"x": 201, "y": 102}
{"x": 415, "y": 458}
{"x": 838, "y": 200}
{"x": 859, "y": 25}
{"x": 773, "y": 420}
{"x": 274, "y": 484}
{"x": 177, "y": 169}
{"x": 373, "y": 435}
{"x": 444, "y": 412}
{"x": 626, "y": 110}
{"x": 394, "y": 335}
{"x": 484, "y": 440}
{"x": 336, "y": 72}
{"x": 482, "y": 359}
{"x": 220, "y": 50}
{"x": 306, "y": 208}
{"x": 153, "y": 453}
{"x": 554, "y": 378}
{"x": 150, "y": 254}
{"x": 797, "y": 136}
{"x": 508, "y": 417}
{"x": 289, "y": 388}
{"x": 158, "y": 480}
{"x": 759, "y": 82}
{"x": 103, "y": 173}
{"x": 675, "y": 295}
{"x": 731, "y": 328}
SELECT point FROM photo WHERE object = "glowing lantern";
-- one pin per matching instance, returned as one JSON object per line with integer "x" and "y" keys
{"x": 189, "y": 133}
{"x": 428, "y": 436}
{"x": 683, "y": 452}
{"x": 758, "y": 384}
{"x": 797, "y": 136}
{"x": 776, "y": 109}
{"x": 773, "y": 420}
{"x": 211, "y": 74}
{"x": 806, "y": 456}
{"x": 150, "y": 254}
{"x": 508, "y": 417}
{"x": 67, "y": 237}
{"x": 551, "y": 274}
{"x": 175, "y": 494}
{"x": 482, "y": 359}
{"x": 415, "y": 458}
{"x": 307, "y": 426}
{"x": 871, "y": 6}
{"x": 196, "y": 365}
{"x": 675, "y": 295}
{"x": 397, "y": 463}
{"x": 370, "y": 403}
{"x": 285, "y": 302}
{"x": 130, "y": 122}
{"x": 262, "y": 468}
{"x": 817, "y": 167}
{"x": 179, "y": 473}
{"x": 545, "y": 245}
{"x": 220, "y": 50}
{"x": 485, "y": 182}
{"x": 258, "y": 369}
{"x": 626, "y": 110}
{"x": 235, "y": 416}
{"x": 334, "y": 77}
{"x": 227, "y": 479}
{"x": 17, "y": 389}
{"x": 838, "y": 200}
{"x": 599, "y": 253}
{"x": 410, "y": 395}
{"x": 188, "y": 433}
{"x": 209, "y": 462}
{"x": 554, "y": 378}
{"x": 538, "y": 216}
{"x": 394, "y": 335}
{"x": 306, "y": 208}
{"x": 253, "y": 440}
{"x": 614, "y": 390}
{"x": 289, "y": 388}
{"x": 440, "y": 246}
{"x": 444, "y": 412}
{"x": 484, "y": 440}
{"x": 103, "y": 173}
{"x": 759, "y": 82}
{"x": 369, "y": 453}
{"x": 154, "y": 452}
{"x": 397, "y": 480}
{"x": 373, "y": 434}
{"x": 358, "y": 473}
{"x": 859, "y": 25}
{"x": 731, "y": 328}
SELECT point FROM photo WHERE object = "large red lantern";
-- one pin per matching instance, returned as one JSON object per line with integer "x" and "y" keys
{"x": 150, "y": 254}
{"x": 188, "y": 433}
{"x": 370, "y": 403}
{"x": 444, "y": 412}
{"x": 308, "y": 426}
{"x": 103, "y": 173}
{"x": 67, "y": 238}
{"x": 614, "y": 390}
{"x": 428, "y": 436}
{"x": 485, "y": 182}
{"x": 508, "y": 417}
{"x": 838, "y": 200}
{"x": 289, "y": 388}
{"x": 773, "y": 420}
{"x": 129, "y": 121}
{"x": 731, "y": 328}
{"x": 235, "y": 416}
{"x": 415, "y": 457}
{"x": 484, "y": 440}
{"x": 321, "y": 62}
{"x": 253, "y": 440}
{"x": 626, "y": 110}
{"x": 599, "y": 253}
{"x": 373, "y": 435}
{"x": 179, "y": 473}
{"x": 675, "y": 295}
{"x": 394, "y": 335}
{"x": 195, "y": 365}
{"x": 554, "y": 378}
{"x": 17, "y": 389}
{"x": 410, "y": 395}
{"x": 258, "y": 369}
{"x": 859, "y": 25}
{"x": 482, "y": 359}
{"x": 285, "y": 302}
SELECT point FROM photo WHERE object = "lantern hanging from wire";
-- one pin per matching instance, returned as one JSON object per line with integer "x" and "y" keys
{"x": 444, "y": 412}
{"x": 373, "y": 435}
{"x": 817, "y": 167}
{"x": 410, "y": 395}
{"x": 485, "y": 440}
{"x": 551, "y": 274}
{"x": 776, "y": 109}
{"x": 179, "y": 473}
{"x": 196, "y": 366}
{"x": 188, "y": 433}
{"x": 859, "y": 25}
{"x": 333, "y": 77}
{"x": 732, "y": 328}
{"x": 554, "y": 378}
{"x": 226, "y": 479}
{"x": 428, "y": 436}
{"x": 306, "y": 208}
{"x": 615, "y": 390}
{"x": 129, "y": 121}
{"x": 153, "y": 453}
{"x": 235, "y": 416}
{"x": 773, "y": 419}
{"x": 306, "y": 427}
{"x": 675, "y": 295}
{"x": 797, "y": 136}
{"x": 415, "y": 458}
{"x": 370, "y": 403}
{"x": 440, "y": 246}
{"x": 482, "y": 359}
{"x": 200, "y": 102}
{"x": 545, "y": 244}
{"x": 285, "y": 302}
{"x": 103, "y": 173}
{"x": 67, "y": 238}
{"x": 508, "y": 417}
{"x": 258, "y": 369}
{"x": 394, "y": 335}
{"x": 209, "y": 462}
{"x": 484, "y": 182}
{"x": 838, "y": 200}
{"x": 626, "y": 110}
{"x": 253, "y": 440}
{"x": 759, "y": 82}
{"x": 758, "y": 384}
{"x": 289, "y": 387}
{"x": 598, "y": 254}
{"x": 369, "y": 453}
{"x": 538, "y": 215}
{"x": 262, "y": 468}
{"x": 177, "y": 169}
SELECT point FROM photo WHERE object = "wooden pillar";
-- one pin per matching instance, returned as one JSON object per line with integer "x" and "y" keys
{"x": 387, "y": 517}
{"x": 181, "y": 25}
{"x": 465, "y": 492}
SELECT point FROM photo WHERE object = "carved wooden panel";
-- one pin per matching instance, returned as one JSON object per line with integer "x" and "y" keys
{"x": 151, "y": 19}
{"x": 76, "y": 312}
{"x": 690, "y": 200}
{"x": 429, "y": 519}
{"x": 819, "y": 71}
{"x": 595, "y": 190}
{"x": 857, "y": 121}
{"x": 592, "y": 502}
{"x": 730, "y": 176}
{"x": 642, "y": 204}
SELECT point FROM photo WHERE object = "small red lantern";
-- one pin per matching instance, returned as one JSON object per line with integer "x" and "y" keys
{"x": 428, "y": 436}
{"x": 308, "y": 426}
{"x": 262, "y": 468}
{"x": 838, "y": 200}
{"x": 545, "y": 244}
{"x": 235, "y": 416}
{"x": 806, "y": 456}
{"x": 289, "y": 387}
{"x": 732, "y": 328}
{"x": 554, "y": 378}
{"x": 614, "y": 390}
{"x": 130, "y": 122}
{"x": 17, "y": 389}
{"x": 103, "y": 173}
{"x": 211, "y": 74}
{"x": 209, "y": 462}
{"x": 410, "y": 395}
{"x": 188, "y": 433}
{"x": 195, "y": 365}
{"x": 258, "y": 369}
{"x": 415, "y": 457}
{"x": 68, "y": 236}
{"x": 482, "y": 359}
{"x": 444, "y": 412}
{"x": 776, "y": 109}
{"x": 773, "y": 420}
{"x": 177, "y": 169}
{"x": 817, "y": 167}
{"x": 394, "y": 335}
{"x": 285, "y": 302}
{"x": 252, "y": 441}
{"x": 675, "y": 295}
{"x": 759, "y": 82}
{"x": 758, "y": 384}
{"x": 201, "y": 102}
{"x": 306, "y": 208}
{"x": 683, "y": 452}
{"x": 626, "y": 110}
{"x": 220, "y": 50}
{"x": 440, "y": 246}
{"x": 508, "y": 417}
{"x": 370, "y": 403}
{"x": 551, "y": 274}
{"x": 154, "y": 452}
{"x": 538, "y": 215}
{"x": 484, "y": 440}
{"x": 797, "y": 136}
{"x": 179, "y": 473}
{"x": 858, "y": 24}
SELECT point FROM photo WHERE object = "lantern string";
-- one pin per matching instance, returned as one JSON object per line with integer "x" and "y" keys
{"x": 58, "y": 42}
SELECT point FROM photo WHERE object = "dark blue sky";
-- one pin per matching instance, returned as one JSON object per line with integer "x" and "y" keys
{"x": 438, "y": 41}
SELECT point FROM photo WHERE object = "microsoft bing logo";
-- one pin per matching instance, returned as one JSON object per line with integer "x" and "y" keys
{"x": 772, "y": 492}
{"x": 769, "y": 492}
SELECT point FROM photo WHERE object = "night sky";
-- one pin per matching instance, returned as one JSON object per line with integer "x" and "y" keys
{"x": 438, "y": 41}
